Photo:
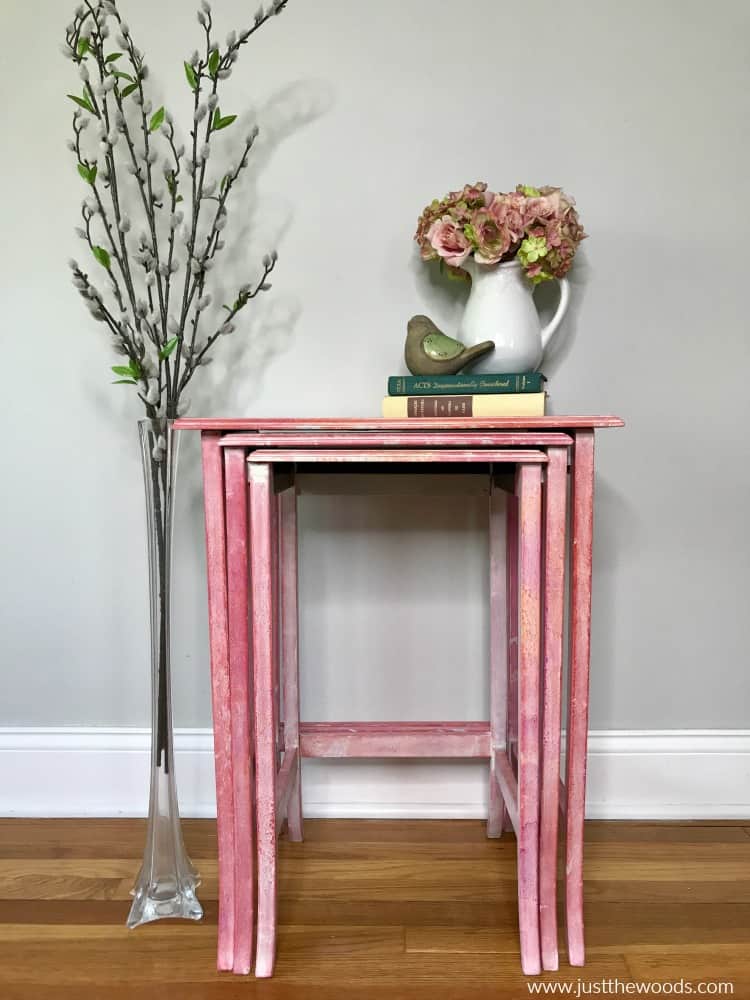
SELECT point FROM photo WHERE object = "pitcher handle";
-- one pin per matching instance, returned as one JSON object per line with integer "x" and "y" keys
{"x": 562, "y": 308}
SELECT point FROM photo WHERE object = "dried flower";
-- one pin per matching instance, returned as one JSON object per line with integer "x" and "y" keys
{"x": 231, "y": 39}
{"x": 205, "y": 152}
{"x": 539, "y": 226}
{"x": 213, "y": 100}
{"x": 200, "y": 113}
{"x": 204, "y": 301}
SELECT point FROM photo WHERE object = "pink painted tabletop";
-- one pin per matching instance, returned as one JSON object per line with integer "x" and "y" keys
{"x": 249, "y": 424}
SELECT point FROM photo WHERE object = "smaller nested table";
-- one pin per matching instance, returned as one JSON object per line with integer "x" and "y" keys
{"x": 251, "y": 532}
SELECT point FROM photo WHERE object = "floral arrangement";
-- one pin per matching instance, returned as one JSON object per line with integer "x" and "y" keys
{"x": 154, "y": 214}
{"x": 538, "y": 226}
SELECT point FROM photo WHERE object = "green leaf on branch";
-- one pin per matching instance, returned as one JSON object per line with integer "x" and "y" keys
{"x": 123, "y": 76}
{"x": 225, "y": 182}
{"x": 124, "y": 381}
{"x": 113, "y": 57}
{"x": 168, "y": 348}
{"x": 214, "y": 61}
{"x": 129, "y": 90}
{"x": 157, "y": 120}
{"x": 102, "y": 257}
{"x": 83, "y": 47}
{"x": 192, "y": 79}
{"x": 88, "y": 173}
{"x": 131, "y": 371}
{"x": 82, "y": 102}
{"x": 220, "y": 123}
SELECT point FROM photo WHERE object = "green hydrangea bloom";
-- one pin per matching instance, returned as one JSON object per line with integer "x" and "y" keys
{"x": 531, "y": 249}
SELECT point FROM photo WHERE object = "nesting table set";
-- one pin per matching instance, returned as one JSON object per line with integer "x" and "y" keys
{"x": 535, "y": 467}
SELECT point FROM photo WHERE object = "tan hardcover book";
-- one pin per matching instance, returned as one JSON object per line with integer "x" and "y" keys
{"x": 521, "y": 404}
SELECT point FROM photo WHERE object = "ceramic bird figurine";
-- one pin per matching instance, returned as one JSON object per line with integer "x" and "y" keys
{"x": 431, "y": 352}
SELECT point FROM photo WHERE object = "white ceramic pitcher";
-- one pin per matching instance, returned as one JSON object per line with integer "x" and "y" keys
{"x": 501, "y": 308}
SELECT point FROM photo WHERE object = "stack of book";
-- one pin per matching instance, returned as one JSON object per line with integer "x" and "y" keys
{"x": 480, "y": 395}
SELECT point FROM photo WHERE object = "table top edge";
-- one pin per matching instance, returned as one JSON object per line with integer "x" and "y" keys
{"x": 562, "y": 422}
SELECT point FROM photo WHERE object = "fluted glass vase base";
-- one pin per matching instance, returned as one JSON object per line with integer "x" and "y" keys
{"x": 183, "y": 905}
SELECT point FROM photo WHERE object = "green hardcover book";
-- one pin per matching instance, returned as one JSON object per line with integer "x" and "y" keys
{"x": 468, "y": 384}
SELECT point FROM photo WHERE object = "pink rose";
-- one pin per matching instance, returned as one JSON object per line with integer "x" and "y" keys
{"x": 491, "y": 240}
{"x": 449, "y": 241}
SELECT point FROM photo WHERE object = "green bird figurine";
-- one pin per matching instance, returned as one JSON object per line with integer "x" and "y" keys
{"x": 431, "y": 352}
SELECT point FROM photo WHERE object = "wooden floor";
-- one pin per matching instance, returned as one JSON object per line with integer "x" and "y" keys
{"x": 411, "y": 910}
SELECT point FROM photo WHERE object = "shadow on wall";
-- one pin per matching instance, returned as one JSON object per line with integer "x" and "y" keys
{"x": 265, "y": 328}
{"x": 617, "y": 528}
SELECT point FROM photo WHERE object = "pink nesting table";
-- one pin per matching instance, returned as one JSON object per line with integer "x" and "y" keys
{"x": 250, "y": 495}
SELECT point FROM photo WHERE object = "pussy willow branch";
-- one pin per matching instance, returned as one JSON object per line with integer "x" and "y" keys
{"x": 160, "y": 384}
{"x": 110, "y": 160}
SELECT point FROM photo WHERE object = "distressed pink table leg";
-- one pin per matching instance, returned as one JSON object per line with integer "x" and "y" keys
{"x": 216, "y": 561}
{"x": 276, "y": 556}
{"x": 511, "y": 589}
{"x": 290, "y": 652}
{"x": 235, "y": 479}
{"x": 497, "y": 819}
{"x": 582, "y": 525}
{"x": 529, "y": 478}
{"x": 264, "y": 622}
{"x": 554, "y": 606}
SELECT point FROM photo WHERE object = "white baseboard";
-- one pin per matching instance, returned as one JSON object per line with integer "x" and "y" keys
{"x": 672, "y": 774}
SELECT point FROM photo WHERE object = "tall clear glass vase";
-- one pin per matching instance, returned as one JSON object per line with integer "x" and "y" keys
{"x": 167, "y": 881}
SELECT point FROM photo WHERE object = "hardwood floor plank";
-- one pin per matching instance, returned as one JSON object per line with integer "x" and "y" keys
{"x": 629, "y": 831}
{"x": 611, "y": 927}
{"x": 408, "y": 912}
{"x": 95, "y": 838}
{"x": 725, "y": 965}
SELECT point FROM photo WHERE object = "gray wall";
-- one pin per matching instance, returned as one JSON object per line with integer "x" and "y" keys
{"x": 369, "y": 110}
